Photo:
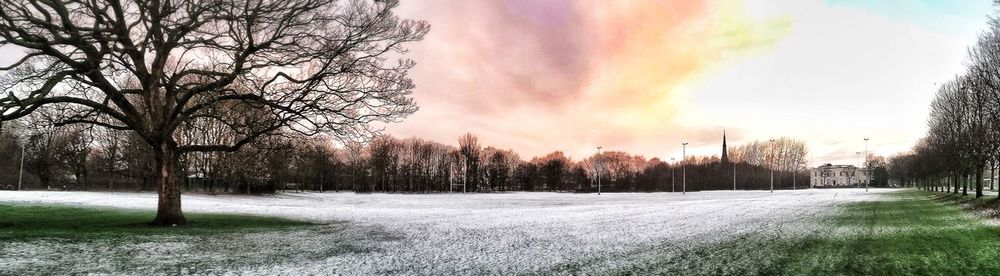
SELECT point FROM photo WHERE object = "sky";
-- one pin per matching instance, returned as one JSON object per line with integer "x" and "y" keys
{"x": 644, "y": 76}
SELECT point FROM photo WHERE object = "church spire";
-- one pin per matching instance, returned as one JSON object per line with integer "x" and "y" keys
{"x": 725, "y": 156}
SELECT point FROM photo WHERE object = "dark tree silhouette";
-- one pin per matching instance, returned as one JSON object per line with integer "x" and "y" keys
{"x": 469, "y": 148}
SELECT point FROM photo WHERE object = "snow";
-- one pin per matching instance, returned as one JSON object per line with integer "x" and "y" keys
{"x": 509, "y": 233}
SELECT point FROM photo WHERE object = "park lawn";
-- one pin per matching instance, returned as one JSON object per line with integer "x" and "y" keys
{"x": 910, "y": 232}
{"x": 895, "y": 232}
{"x": 986, "y": 206}
{"x": 27, "y": 222}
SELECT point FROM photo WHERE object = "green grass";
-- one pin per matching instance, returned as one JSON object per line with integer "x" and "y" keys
{"x": 25, "y": 222}
{"x": 987, "y": 205}
{"x": 911, "y": 233}
{"x": 66, "y": 240}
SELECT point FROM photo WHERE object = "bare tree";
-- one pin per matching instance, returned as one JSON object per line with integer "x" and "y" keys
{"x": 553, "y": 168}
{"x": 468, "y": 146}
{"x": 983, "y": 83}
{"x": 53, "y": 154}
{"x": 355, "y": 159}
{"x": 499, "y": 167}
{"x": 10, "y": 155}
{"x": 150, "y": 67}
{"x": 949, "y": 128}
{"x": 383, "y": 159}
{"x": 784, "y": 154}
{"x": 78, "y": 141}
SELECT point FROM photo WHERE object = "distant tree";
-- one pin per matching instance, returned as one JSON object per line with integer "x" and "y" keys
{"x": 878, "y": 168}
{"x": 655, "y": 175}
{"x": 899, "y": 168}
{"x": 108, "y": 159}
{"x": 443, "y": 166}
{"x": 46, "y": 153}
{"x": 553, "y": 169}
{"x": 785, "y": 155}
{"x": 10, "y": 155}
{"x": 354, "y": 153}
{"x": 498, "y": 167}
{"x": 384, "y": 157}
{"x": 318, "y": 163}
{"x": 78, "y": 141}
{"x": 470, "y": 150}
{"x": 526, "y": 174}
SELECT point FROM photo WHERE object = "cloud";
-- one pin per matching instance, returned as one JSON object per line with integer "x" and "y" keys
{"x": 539, "y": 76}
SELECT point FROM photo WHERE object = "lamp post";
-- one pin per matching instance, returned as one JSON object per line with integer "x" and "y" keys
{"x": 673, "y": 167}
{"x": 772, "y": 165}
{"x": 20, "y": 171}
{"x": 859, "y": 167}
{"x": 684, "y": 182}
{"x": 795, "y": 172}
{"x": 868, "y": 176}
{"x": 598, "y": 170}
{"x": 734, "y": 176}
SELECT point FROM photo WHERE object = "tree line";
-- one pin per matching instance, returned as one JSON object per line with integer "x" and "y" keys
{"x": 962, "y": 143}
{"x": 94, "y": 158}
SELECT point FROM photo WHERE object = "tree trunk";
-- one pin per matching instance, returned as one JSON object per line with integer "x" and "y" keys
{"x": 954, "y": 180}
{"x": 993, "y": 174}
{"x": 965, "y": 184}
{"x": 168, "y": 211}
{"x": 979, "y": 182}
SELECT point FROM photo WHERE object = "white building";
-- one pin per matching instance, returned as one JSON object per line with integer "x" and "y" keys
{"x": 828, "y": 175}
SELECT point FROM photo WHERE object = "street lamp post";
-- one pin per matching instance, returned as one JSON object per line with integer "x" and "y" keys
{"x": 684, "y": 182}
{"x": 598, "y": 170}
{"x": 868, "y": 177}
{"x": 772, "y": 165}
{"x": 20, "y": 171}
{"x": 795, "y": 172}
{"x": 734, "y": 176}
{"x": 673, "y": 166}
{"x": 859, "y": 167}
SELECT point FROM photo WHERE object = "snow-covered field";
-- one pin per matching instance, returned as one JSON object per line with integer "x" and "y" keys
{"x": 511, "y": 233}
